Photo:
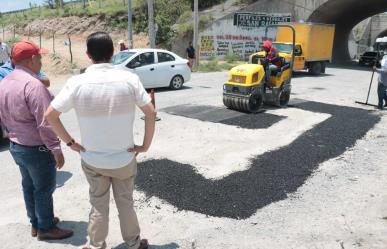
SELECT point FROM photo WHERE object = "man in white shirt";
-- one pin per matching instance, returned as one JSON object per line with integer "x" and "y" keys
{"x": 5, "y": 53}
{"x": 104, "y": 99}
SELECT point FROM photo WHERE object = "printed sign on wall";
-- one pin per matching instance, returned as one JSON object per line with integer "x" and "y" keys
{"x": 255, "y": 20}
{"x": 223, "y": 37}
{"x": 222, "y": 45}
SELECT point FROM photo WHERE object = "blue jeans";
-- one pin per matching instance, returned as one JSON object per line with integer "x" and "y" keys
{"x": 381, "y": 95}
{"x": 270, "y": 68}
{"x": 38, "y": 171}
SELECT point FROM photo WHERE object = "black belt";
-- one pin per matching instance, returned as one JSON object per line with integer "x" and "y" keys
{"x": 29, "y": 146}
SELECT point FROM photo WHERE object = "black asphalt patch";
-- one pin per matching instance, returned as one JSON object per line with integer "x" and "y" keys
{"x": 224, "y": 116}
{"x": 271, "y": 177}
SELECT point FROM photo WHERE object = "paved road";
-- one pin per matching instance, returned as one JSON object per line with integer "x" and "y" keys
{"x": 309, "y": 176}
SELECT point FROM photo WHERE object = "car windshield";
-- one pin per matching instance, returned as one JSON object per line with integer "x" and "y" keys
{"x": 283, "y": 47}
{"x": 121, "y": 57}
{"x": 373, "y": 54}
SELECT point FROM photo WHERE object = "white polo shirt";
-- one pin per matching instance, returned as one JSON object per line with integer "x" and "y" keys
{"x": 104, "y": 99}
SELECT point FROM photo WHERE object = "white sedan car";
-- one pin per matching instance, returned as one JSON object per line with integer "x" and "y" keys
{"x": 155, "y": 67}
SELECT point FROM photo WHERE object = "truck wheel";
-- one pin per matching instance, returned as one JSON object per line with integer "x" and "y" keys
{"x": 315, "y": 68}
{"x": 323, "y": 66}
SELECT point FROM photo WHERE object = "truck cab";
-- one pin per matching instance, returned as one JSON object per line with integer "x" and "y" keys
{"x": 313, "y": 47}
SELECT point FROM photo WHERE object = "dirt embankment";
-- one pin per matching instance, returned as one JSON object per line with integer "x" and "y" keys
{"x": 77, "y": 28}
{"x": 70, "y": 25}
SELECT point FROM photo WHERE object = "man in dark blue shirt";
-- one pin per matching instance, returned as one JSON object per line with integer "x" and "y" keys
{"x": 190, "y": 54}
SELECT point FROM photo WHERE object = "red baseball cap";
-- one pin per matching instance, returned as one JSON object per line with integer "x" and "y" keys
{"x": 25, "y": 49}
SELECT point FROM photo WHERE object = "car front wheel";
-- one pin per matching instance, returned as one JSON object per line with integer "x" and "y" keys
{"x": 176, "y": 82}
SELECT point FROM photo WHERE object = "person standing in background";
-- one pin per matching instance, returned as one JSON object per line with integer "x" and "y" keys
{"x": 122, "y": 45}
{"x": 5, "y": 53}
{"x": 382, "y": 83}
{"x": 190, "y": 55}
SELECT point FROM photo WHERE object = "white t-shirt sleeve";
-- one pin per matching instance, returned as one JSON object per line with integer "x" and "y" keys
{"x": 142, "y": 97}
{"x": 63, "y": 102}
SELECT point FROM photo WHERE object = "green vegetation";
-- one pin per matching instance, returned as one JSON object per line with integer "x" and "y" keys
{"x": 109, "y": 8}
{"x": 207, "y": 3}
{"x": 231, "y": 58}
{"x": 213, "y": 65}
{"x": 56, "y": 58}
{"x": 167, "y": 14}
{"x": 245, "y": 2}
{"x": 12, "y": 41}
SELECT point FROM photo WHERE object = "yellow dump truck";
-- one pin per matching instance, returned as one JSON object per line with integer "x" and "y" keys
{"x": 314, "y": 45}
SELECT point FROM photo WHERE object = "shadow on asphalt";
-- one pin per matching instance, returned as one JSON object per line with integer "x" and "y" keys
{"x": 80, "y": 233}
{"x": 350, "y": 65}
{"x": 167, "y": 89}
{"x": 62, "y": 177}
{"x": 301, "y": 74}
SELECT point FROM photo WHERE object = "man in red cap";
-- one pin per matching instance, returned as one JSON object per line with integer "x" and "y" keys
{"x": 33, "y": 145}
{"x": 272, "y": 58}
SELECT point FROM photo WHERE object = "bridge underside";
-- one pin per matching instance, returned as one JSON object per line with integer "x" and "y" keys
{"x": 383, "y": 33}
{"x": 345, "y": 14}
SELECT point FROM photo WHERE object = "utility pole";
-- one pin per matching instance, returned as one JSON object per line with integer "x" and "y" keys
{"x": 151, "y": 24}
{"x": 370, "y": 34}
{"x": 130, "y": 26}
{"x": 196, "y": 33}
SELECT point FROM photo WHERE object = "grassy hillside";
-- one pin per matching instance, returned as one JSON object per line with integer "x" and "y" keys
{"x": 167, "y": 14}
{"x": 108, "y": 8}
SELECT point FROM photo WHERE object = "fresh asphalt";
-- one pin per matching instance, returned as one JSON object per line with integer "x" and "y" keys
{"x": 271, "y": 177}
{"x": 224, "y": 116}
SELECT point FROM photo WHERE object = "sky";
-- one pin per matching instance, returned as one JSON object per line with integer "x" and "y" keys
{"x": 9, "y": 5}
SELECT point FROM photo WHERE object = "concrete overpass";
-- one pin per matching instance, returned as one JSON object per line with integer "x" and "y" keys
{"x": 345, "y": 14}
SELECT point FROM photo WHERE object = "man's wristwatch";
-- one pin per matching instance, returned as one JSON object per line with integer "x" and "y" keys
{"x": 71, "y": 142}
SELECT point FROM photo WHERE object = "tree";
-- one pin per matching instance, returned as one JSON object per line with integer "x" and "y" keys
{"x": 59, "y": 4}
{"x": 49, "y": 3}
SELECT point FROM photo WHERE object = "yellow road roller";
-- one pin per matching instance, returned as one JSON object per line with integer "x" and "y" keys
{"x": 247, "y": 87}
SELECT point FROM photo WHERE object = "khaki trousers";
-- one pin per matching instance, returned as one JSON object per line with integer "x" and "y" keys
{"x": 122, "y": 181}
